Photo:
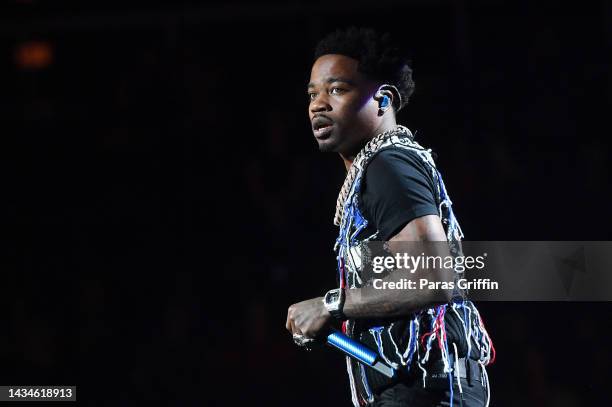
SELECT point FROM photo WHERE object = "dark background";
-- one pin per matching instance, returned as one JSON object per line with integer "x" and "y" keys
{"x": 165, "y": 201}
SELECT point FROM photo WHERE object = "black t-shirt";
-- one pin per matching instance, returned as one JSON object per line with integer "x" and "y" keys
{"x": 397, "y": 188}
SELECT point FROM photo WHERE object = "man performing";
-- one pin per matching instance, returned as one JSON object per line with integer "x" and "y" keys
{"x": 392, "y": 192}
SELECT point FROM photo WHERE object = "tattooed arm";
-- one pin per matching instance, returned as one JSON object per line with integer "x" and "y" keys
{"x": 370, "y": 302}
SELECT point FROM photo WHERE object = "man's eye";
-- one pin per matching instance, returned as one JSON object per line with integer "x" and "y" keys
{"x": 311, "y": 96}
{"x": 336, "y": 91}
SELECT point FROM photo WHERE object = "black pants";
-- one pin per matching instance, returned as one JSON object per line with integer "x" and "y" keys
{"x": 414, "y": 395}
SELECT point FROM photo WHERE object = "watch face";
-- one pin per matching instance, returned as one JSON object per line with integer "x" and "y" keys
{"x": 334, "y": 300}
{"x": 332, "y": 297}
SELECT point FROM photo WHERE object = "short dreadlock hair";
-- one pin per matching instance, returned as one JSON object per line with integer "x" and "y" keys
{"x": 379, "y": 59}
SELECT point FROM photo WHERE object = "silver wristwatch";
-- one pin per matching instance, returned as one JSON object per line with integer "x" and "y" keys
{"x": 334, "y": 303}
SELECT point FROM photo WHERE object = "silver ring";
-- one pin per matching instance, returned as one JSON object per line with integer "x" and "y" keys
{"x": 301, "y": 340}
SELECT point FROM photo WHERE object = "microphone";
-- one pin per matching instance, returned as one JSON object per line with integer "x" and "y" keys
{"x": 360, "y": 352}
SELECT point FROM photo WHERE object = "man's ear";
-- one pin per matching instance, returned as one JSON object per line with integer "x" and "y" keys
{"x": 385, "y": 99}
{"x": 392, "y": 93}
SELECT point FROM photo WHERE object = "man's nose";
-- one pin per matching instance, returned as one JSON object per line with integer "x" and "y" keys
{"x": 320, "y": 104}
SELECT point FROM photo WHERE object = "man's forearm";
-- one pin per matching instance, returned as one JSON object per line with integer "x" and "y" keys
{"x": 370, "y": 302}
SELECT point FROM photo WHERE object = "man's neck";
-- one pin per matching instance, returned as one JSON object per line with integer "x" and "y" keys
{"x": 348, "y": 158}
{"x": 348, "y": 161}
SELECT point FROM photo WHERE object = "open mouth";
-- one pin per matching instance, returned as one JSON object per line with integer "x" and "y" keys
{"x": 322, "y": 131}
{"x": 322, "y": 127}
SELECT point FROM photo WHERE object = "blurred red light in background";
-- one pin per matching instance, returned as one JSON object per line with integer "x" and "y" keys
{"x": 34, "y": 55}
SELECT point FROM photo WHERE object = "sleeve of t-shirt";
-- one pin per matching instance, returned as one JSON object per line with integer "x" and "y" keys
{"x": 397, "y": 189}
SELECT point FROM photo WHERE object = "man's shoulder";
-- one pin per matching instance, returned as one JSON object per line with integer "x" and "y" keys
{"x": 394, "y": 159}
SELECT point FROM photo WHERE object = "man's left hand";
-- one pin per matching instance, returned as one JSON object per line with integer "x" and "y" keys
{"x": 308, "y": 318}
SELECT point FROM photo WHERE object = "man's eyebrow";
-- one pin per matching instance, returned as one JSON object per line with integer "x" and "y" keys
{"x": 332, "y": 80}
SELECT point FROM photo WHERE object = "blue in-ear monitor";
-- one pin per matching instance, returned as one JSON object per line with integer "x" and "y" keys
{"x": 384, "y": 102}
